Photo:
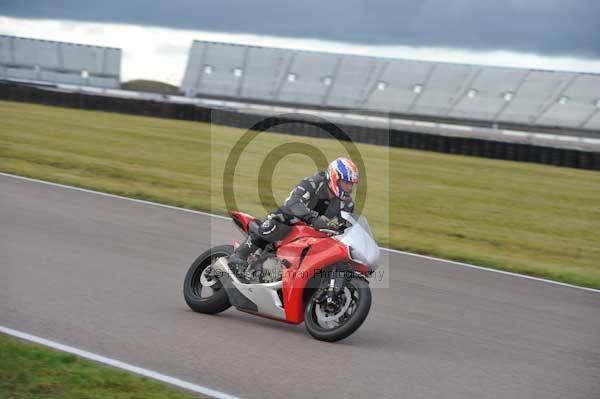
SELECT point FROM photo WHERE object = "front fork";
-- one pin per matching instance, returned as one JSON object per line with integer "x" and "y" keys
{"x": 333, "y": 286}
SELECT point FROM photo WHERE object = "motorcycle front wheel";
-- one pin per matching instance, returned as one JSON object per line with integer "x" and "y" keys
{"x": 336, "y": 320}
{"x": 202, "y": 293}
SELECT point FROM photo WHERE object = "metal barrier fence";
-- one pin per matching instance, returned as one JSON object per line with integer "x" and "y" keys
{"x": 397, "y": 138}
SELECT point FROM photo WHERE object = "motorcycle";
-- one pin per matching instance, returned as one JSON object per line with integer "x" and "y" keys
{"x": 318, "y": 277}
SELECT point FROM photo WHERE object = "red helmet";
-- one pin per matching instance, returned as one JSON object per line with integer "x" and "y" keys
{"x": 342, "y": 169}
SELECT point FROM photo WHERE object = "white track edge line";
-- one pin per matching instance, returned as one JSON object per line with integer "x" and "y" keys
{"x": 85, "y": 190}
{"x": 487, "y": 269}
{"x": 227, "y": 218}
{"x": 117, "y": 364}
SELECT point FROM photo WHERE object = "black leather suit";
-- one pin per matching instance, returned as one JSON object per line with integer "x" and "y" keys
{"x": 307, "y": 201}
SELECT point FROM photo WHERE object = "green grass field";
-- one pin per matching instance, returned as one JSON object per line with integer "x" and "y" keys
{"x": 31, "y": 371}
{"x": 527, "y": 218}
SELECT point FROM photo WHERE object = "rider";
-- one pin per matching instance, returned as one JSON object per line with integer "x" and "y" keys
{"x": 316, "y": 200}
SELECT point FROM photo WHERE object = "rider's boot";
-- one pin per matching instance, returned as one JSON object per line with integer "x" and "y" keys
{"x": 239, "y": 257}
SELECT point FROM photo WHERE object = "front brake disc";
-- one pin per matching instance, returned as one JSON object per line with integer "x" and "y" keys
{"x": 330, "y": 321}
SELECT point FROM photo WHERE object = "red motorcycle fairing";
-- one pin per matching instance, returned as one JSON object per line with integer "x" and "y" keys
{"x": 242, "y": 220}
{"x": 322, "y": 253}
{"x": 308, "y": 253}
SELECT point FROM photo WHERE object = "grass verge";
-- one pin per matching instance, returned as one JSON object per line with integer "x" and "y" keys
{"x": 32, "y": 371}
{"x": 526, "y": 218}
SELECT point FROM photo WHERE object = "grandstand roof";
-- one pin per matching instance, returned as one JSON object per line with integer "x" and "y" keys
{"x": 47, "y": 61}
{"x": 404, "y": 87}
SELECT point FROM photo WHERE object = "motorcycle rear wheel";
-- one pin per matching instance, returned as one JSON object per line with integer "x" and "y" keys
{"x": 325, "y": 327}
{"x": 195, "y": 284}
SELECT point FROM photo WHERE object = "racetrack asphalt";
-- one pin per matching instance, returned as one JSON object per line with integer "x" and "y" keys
{"x": 105, "y": 275}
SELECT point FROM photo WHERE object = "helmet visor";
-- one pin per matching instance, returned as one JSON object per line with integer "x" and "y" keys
{"x": 346, "y": 186}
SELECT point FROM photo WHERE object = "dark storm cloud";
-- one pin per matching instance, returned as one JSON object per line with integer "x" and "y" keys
{"x": 550, "y": 27}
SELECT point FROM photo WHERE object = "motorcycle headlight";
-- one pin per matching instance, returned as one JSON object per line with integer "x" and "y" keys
{"x": 359, "y": 257}
{"x": 356, "y": 256}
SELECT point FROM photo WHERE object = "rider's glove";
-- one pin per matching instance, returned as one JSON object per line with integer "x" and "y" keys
{"x": 321, "y": 222}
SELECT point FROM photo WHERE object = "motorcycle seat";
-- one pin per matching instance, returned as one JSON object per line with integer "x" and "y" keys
{"x": 253, "y": 227}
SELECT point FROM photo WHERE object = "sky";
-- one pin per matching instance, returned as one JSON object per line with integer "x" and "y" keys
{"x": 155, "y": 35}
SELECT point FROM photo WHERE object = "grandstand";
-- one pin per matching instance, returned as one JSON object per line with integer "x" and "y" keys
{"x": 505, "y": 113}
{"x": 50, "y": 62}
{"x": 414, "y": 89}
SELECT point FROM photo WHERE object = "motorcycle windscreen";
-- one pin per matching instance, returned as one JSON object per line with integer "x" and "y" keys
{"x": 359, "y": 239}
